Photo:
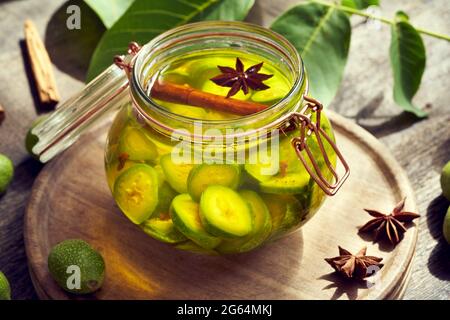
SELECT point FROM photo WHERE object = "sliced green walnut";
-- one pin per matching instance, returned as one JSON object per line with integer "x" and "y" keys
{"x": 136, "y": 192}
{"x": 295, "y": 214}
{"x": 176, "y": 174}
{"x": 290, "y": 183}
{"x": 205, "y": 175}
{"x": 311, "y": 200}
{"x": 180, "y": 109}
{"x": 161, "y": 175}
{"x": 277, "y": 210}
{"x": 224, "y": 213}
{"x": 186, "y": 217}
{"x": 6, "y": 172}
{"x": 165, "y": 197}
{"x": 278, "y": 90}
{"x": 286, "y": 211}
{"x": 163, "y": 230}
{"x": 261, "y": 230}
{"x": 260, "y": 172}
{"x": 289, "y": 161}
{"x": 202, "y": 70}
{"x": 76, "y": 266}
{"x": 136, "y": 145}
{"x": 115, "y": 169}
{"x": 287, "y": 165}
{"x": 175, "y": 77}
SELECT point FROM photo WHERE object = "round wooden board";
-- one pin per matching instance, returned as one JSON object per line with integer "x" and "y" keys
{"x": 70, "y": 199}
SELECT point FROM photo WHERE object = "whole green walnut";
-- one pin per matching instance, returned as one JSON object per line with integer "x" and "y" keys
{"x": 445, "y": 180}
{"x": 31, "y": 139}
{"x": 76, "y": 266}
{"x": 5, "y": 289}
{"x": 446, "y": 227}
{"x": 6, "y": 172}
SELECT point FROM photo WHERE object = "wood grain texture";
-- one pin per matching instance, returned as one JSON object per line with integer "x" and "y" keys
{"x": 421, "y": 147}
{"x": 66, "y": 204}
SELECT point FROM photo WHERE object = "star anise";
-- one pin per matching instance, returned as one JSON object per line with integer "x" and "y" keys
{"x": 358, "y": 266}
{"x": 390, "y": 225}
{"x": 239, "y": 79}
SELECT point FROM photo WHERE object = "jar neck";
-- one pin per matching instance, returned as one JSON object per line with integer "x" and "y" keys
{"x": 213, "y": 36}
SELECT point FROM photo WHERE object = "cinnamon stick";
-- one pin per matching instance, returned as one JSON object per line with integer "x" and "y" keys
{"x": 187, "y": 95}
{"x": 2, "y": 114}
{"x": 40, "y": 65}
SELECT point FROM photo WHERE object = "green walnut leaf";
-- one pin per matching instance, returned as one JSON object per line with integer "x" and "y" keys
{"x": 407, "y": 53}
{"x": 109, "y": 11}
{"x": 359, "y": 4}
{"x": 227, "y": 10}
{"x": 146, "y": 19}
{"x": 321, "y": 34}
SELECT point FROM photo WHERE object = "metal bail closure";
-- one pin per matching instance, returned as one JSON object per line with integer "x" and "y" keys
{"x": 126, "y": 62}
{"x": 307, "y": 128}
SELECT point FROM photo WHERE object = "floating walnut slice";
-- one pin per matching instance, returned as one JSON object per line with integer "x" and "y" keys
{"x": 238, "y": 79}
{"x": 391, "y": 226}
{"x": 358, "y": 266}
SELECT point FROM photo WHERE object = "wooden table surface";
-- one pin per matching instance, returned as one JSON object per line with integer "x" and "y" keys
{"x": 421, "y": 147}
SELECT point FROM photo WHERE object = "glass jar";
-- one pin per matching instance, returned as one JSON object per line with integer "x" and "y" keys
{"x": 185, "y": 169}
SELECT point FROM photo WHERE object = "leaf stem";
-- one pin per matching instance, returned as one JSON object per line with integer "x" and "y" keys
{"x": 384, "y": 20}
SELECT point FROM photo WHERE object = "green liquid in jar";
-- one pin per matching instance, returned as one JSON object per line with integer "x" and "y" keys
{"x": 210, "y": 208}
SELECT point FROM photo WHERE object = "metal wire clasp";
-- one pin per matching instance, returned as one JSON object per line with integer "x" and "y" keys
{"x": 307, "y": 127}
{"x": 126, "y": 62}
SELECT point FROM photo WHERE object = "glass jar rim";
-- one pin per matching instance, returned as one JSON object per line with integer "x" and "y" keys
{"x": 246, "y": 30}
